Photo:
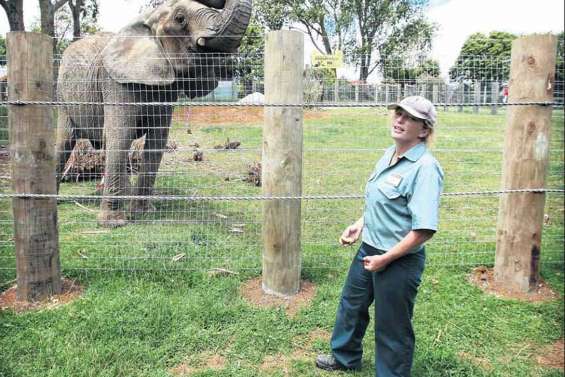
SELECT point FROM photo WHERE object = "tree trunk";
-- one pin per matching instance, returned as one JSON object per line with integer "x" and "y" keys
{"x": 76, "y": 8}
{"x": 365, "y": 61}
{"x": 48, "y": 10}
{"x": 47, "y": 17}
{"x": 15, "y": 13}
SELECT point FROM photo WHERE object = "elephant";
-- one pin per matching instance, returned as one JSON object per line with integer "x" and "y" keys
{"x": 110, "y": 78}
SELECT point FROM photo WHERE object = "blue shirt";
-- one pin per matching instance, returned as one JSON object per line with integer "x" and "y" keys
{"x": 402, "y": 197}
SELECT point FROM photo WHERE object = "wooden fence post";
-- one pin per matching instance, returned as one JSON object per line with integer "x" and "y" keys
{"x": 435, "y": 93}
{"x": 477, "y": 97}
{"x": 32, "y": 151}
{"x": 282, "y": 162}
{"x": 447, "y": 98}
{"x": 357, "y": 93}
{"x": 525, "y": 163}
{"x": 494, "y": 97}
{"x": 336, "y": 90}
{"x": 460, "y": 97}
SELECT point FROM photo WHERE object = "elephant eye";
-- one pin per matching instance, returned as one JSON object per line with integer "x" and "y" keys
{"x": 180, "y": 19}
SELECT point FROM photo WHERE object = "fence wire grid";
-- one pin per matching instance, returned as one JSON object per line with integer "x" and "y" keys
{"x": 174, "y": 154}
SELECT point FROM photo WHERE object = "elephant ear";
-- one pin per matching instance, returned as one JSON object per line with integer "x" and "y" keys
{"x": 135, "y": 55}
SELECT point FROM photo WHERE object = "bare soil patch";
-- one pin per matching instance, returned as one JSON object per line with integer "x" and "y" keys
{"x": 71, "y": 290}
{"x": 475, "y": 360}
{"x": 552, "y": 356}
{"x": 253, "y": 293}
{"x": 209, "y": 115}
{"x": 202, "y": 362}
{"x": 282, "y": 363}
{"x": 483, "y": 278}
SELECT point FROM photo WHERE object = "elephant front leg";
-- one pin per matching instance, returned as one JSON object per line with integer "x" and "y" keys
{"x": 116, "y": 179}
{"x": 155, "y": 144}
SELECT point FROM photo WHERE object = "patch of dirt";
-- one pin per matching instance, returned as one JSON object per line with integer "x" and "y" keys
{"x": 71, "y": 290}
{"x": 252, "y": 291}
{"x": 277, "y": 362}
{"x": 552, "y": 356}
{"x": 282, "y": 363}
{"x": 208, "y": 115}
{"x": 204, "y": 361}
{"x": 478, "y": 361}
{"x": 483, "y": 278}
{"x": 318, "y": 334}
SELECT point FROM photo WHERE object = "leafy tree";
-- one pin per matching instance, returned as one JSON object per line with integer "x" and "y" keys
{"x": 388, "y": 28}
{"x": 2, "y": 46}
{"x": 367, "y": 30}
{"x": 329, "y": 23}
{"x": 484, "y": 58}
{"x": 2, "y": 51}
{"x": 15, "y": 12}
{"x": 247, "y": 65}
{"x": 67, "y": 27}
{"x": 48, "y": 10}
{"x": 272, "y": 15}
{"x": 398, "y": 70}
{"x": 84, "y": 15}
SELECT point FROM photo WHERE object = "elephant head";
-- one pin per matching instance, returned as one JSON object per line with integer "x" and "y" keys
{"x": 161, "y": 45}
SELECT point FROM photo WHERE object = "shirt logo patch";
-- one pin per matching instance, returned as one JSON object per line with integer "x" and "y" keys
{"x": 394, "y": 179}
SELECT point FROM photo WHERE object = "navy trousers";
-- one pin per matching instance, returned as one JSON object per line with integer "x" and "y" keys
{"x": 394, "y": 292}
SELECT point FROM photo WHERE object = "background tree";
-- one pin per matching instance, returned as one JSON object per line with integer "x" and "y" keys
{"x": 388, "y": 28}
{"x": 560, "y": 67}
{"x": 247, "y": 64}
{"x": 48, "y": 10}
{"x": 399, "y": 70}
{"x": 2, "y": 50}
{"x": 484, "y": 58}
{"x": 272, "y": 15}
{"x": 15, "y": 12}
{"x": 366, "y": 30}
{"x": 84, "y": 15}
{"x": 152, "y": 3}
{"x": 328, "y": 23}
{"x": 70, "y": 22}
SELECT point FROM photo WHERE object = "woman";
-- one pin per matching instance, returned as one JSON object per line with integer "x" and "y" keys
{"x": 401, "y": 213}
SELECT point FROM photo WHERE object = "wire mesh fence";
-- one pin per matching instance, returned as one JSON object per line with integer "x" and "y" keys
{"x": 159, "y": 160}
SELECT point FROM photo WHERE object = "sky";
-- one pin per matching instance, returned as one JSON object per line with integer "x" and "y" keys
{"x": 456, "y": 20}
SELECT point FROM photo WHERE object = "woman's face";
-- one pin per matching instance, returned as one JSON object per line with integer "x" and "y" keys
{"x": 407, "y": 129}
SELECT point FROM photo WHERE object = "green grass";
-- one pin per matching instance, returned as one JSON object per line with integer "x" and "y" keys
{"x": 149, "y": 304}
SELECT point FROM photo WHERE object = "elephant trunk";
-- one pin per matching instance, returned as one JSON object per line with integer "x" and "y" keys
{"x": 231, "y": 24}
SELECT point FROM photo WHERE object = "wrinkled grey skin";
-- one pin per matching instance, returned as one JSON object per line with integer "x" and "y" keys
{"x": 150, "y": 60}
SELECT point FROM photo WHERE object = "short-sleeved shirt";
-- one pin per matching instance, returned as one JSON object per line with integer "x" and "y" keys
{"x": 402, "y": 197}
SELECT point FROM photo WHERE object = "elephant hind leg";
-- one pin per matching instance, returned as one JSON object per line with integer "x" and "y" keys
{"x": 65, "y": 144}
{"x": 155, "y": 144}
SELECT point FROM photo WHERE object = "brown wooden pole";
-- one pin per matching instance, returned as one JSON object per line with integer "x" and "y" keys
{"x": 282, "y": 162}
{"x": 32, "y": 152}
{"x": 494, "y": 97}
{"x": 525, "y": 162}
{"x": 477, "y": 94}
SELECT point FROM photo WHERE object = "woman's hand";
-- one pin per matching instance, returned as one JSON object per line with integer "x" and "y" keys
{"x": 375, "y": 263}
{"x": 351, "y": 234}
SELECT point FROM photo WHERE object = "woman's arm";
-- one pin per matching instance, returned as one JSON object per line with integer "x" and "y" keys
{"x": 413, "y": 239}
{"x": 351, "y": 234}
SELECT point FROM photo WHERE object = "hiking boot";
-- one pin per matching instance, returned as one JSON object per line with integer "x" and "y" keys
{"x": 329, "y": 363}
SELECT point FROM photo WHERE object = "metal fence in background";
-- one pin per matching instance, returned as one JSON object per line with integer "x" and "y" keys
{"x": 199, "y": 179}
